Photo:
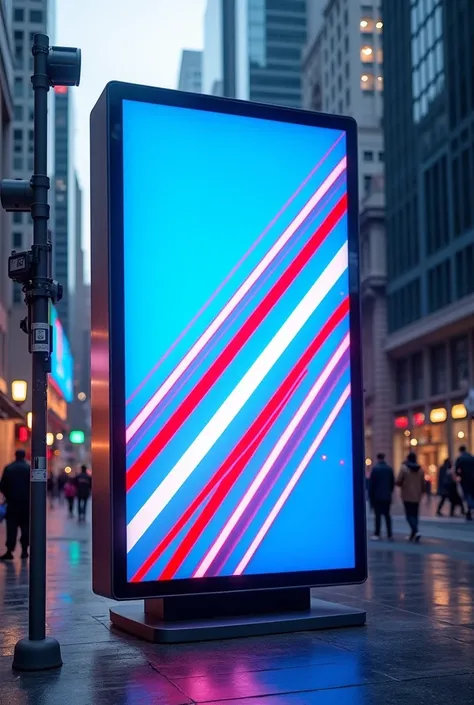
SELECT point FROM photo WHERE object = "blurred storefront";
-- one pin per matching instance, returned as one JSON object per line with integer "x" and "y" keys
{"x": 433, "y": 435}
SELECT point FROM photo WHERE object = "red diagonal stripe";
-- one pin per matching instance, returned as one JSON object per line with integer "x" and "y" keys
{"x": 221, "y": 363}
{"x": 255, "y": 430}
{"x": 222, "y": 491}
{"x": 330, "y": 325}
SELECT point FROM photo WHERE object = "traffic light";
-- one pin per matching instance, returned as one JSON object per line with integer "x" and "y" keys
{"x": 76, "y": 437}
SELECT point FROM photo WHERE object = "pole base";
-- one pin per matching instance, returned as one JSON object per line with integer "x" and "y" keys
{"x": 37, "y": 655}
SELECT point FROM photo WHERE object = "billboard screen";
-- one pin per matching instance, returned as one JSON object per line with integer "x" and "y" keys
{"x": 235, "y": 367}
{"x": 62, "y": 364}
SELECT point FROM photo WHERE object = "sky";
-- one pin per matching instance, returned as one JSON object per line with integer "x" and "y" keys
{"x": 139, "y": 41}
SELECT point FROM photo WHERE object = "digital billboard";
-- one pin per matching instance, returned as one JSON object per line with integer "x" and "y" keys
{"x": 235, "y": 407}
{"x": 62, "y": 363}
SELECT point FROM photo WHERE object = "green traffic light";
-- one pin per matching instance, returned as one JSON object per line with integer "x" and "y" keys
{"x": 76, "y": 437}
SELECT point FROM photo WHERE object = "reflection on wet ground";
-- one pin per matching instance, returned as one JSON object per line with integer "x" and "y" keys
{"x": 418, "y": 645}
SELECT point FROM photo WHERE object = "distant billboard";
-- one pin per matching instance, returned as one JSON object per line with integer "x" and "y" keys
{"x": 62, "y": 364}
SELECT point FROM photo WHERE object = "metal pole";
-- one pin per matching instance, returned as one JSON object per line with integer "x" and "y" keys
{"x": 39, "y": 320}
{"x": 39, "y": 652}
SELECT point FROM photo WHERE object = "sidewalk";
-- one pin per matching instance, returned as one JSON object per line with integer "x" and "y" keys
{"x": 417, "y": 648}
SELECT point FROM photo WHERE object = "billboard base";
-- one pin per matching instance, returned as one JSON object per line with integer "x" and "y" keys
{"x": 231, "y": 615}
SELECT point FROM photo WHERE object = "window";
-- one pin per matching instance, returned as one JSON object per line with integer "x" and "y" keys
{"x": 381, "y": 156}
{"x": 368, "y": 156}
{"x": 348, "y": 97}
{"x": 417, "y": 381}
{"x": 402, "y": 381}
{"x": 366, "y": 53}
{"x": 367, "y": 25}
{"x": 19, "y": 15}
{"x": 18, "y": 163}
{"x": 36, "y": 16}
{"x": 460, "y": 362}
{"x": 18, "y": 87}
{"x": 18, "y": 114}
{"x": 17, "y": 240}
{"x": 438, "y": 369}
{"x": 17, "y": 217}
{"x": 367, "y": 184}
{"x": 367, "y": 82}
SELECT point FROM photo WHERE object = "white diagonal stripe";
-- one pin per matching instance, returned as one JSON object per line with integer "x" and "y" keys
{"x": 231, "y": 305}
{"x": 236, "y": 400}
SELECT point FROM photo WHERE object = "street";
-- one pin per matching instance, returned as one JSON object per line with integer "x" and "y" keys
{"x": 417, "y": 647}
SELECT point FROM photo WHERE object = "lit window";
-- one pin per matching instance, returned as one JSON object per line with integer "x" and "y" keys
{"x": 367, "y": 25}
{"x": 367, "y": 82}
{"x": 379, "y": 25}
{"x": 380, "y": 83}
{"x": 367, "y": 53}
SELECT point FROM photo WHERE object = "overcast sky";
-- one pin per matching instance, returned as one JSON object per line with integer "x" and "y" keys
{"x": 126, "y": 40}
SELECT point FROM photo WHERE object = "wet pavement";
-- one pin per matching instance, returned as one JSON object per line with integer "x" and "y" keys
{"x": 417, "y": 647}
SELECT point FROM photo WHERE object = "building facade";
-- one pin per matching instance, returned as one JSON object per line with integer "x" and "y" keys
{"x": 429, "y": 137}
{"x": 252, "y": 50}
{"x": 10, "y": 414}
{"x": 28, "y": 17}
{"x": 343, "y": 73}
{"x": 190, "y": 72}
{"x": 64, "y": 195}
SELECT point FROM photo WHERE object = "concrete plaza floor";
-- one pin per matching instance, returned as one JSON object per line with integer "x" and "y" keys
{"x": 417, "y": 647}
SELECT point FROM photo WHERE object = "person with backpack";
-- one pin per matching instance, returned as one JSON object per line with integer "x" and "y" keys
{"x": 411, "y": 480}
{"x": 15, "y": 487}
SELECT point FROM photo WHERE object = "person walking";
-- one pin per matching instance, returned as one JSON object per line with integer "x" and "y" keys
{"x": 15, "y": 487}
{"x": 411, "y": 480}
{"x": 70, "y": 492}
{"x": 381, "y": 485}
{"x": 443, "y": 484}
{"x": 465, "y": 471}
{"x": 84, "y": 485}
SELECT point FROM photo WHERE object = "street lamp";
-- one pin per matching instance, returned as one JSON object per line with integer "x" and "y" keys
{"x": 19, "y": 390}
{"x": 49, "y": 439}
{"x": 29, "y": 420}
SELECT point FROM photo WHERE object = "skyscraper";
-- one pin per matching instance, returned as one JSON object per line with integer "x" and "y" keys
{"x": 343, "y": 68}
{"x": 8, "y": 411}
{"x": 429, "y": 138}
{"x": 190, "y": 73}
{"x": 29, "y": 17}
{"x": 343, "y": 73}
{"x": 64, "y": 204}
{"x": 252, "y": 49}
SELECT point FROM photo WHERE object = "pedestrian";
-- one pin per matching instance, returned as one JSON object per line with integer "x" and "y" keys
{"x": 381, "y": 485}
{"x": 411, "y": 480}
{"x": 70, "y": 492}
{"x": 465, "y": 472}
{"x": 84, "y": 485}
{"x": 15, "y": 487}
{"x": 443, "y": 484}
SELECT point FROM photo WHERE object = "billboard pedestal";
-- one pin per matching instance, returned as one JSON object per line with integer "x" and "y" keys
{"x": 230, "y": 615}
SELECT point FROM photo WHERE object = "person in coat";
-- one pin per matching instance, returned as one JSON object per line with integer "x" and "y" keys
{"x": 465, "y": 471}
{"x": 84, "y": 485}
{"x": 411, "y": 480}
{"x": 381, "y": 485}
{"x": 15, "y": 487}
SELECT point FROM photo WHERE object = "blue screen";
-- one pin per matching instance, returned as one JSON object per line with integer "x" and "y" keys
{"x": 62, "y": 364}
{"x": 237, "y": 370}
